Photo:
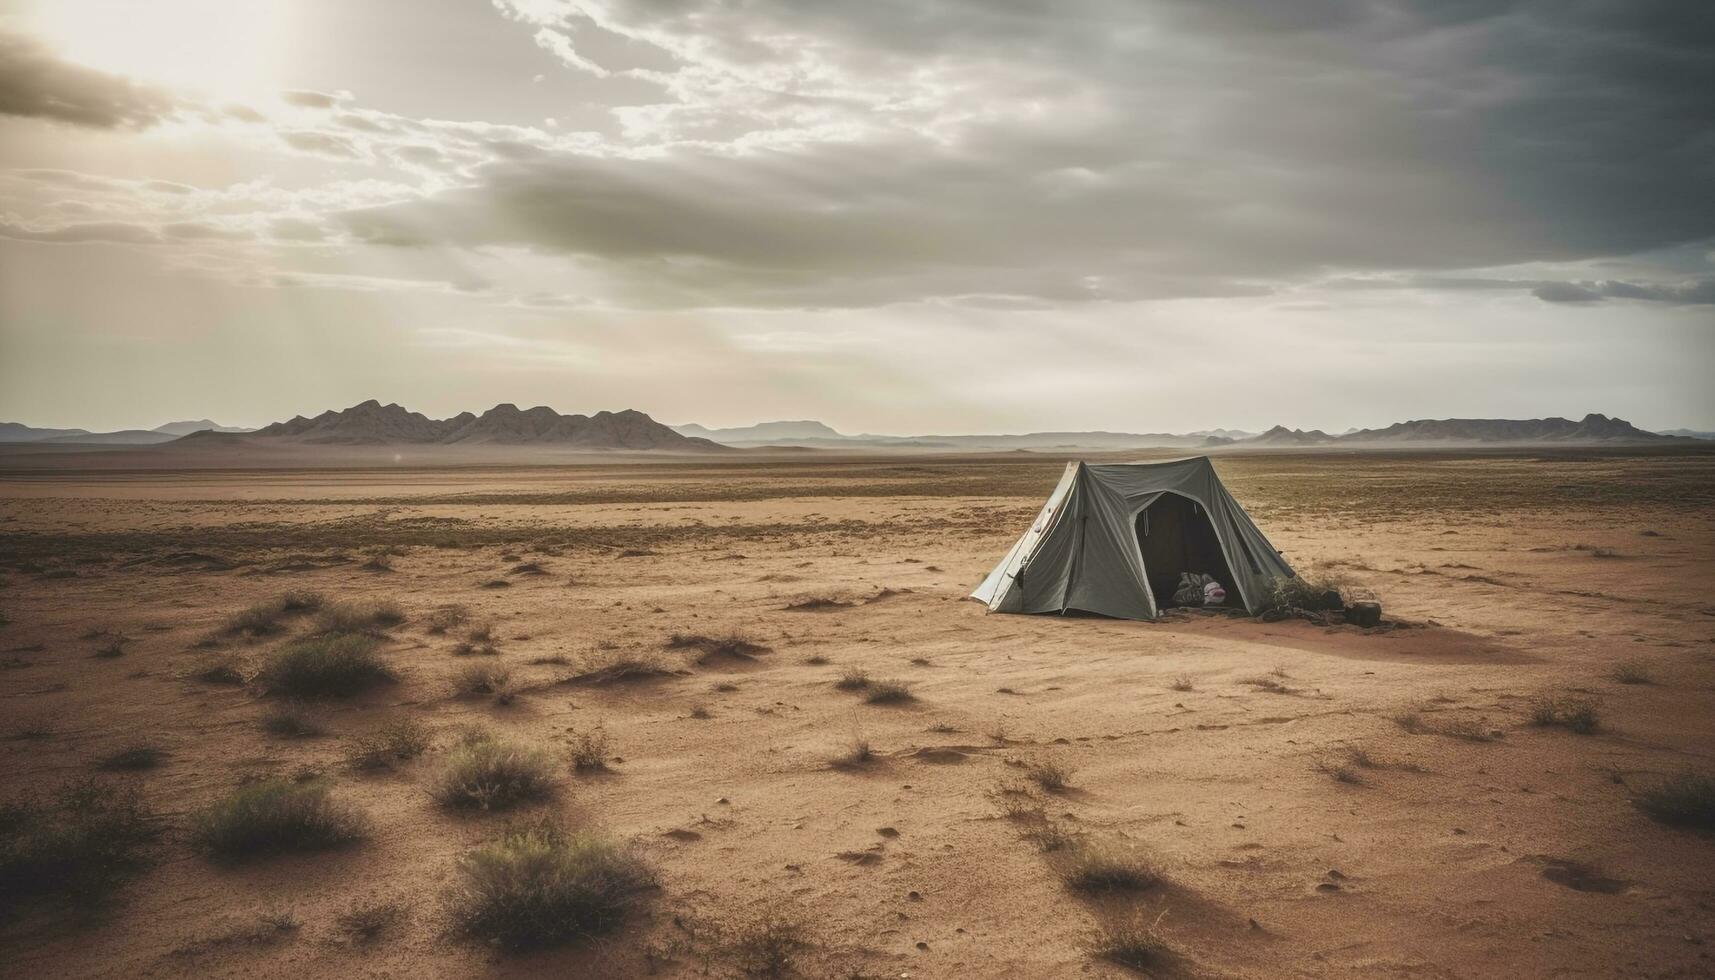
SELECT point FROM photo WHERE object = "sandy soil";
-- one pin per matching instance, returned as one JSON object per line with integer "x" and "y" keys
{"x": 1516, "y": 851}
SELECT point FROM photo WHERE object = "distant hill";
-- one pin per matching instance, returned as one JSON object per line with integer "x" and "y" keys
{"x": 1592, "y": 429}
{"x": 176, "y": 429}
{"x": 818, "y": 435}
{"x": 1687, "y": 434}
{"x": 372, "y": 423}
{"x": 762, "y": 432}
{"x": 19, "y": 432}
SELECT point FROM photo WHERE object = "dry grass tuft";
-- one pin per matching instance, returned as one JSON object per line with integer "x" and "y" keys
{"x": 852, "y": 680}
{"x": 364, "y": 924}
{"x": 889, "y": 692}
{"x": 480, "y": 679}
{"x": 293, "y": 720}
{"x": 338, "y": 665}
{"x": 1134, "y": 941}
{"x": 220, "y": 672}
{"x": 590, "y": 750}
{"x": 400, "y": 740}
{"x": 767, "y": 945}
{"x": 1685, "y": 800}
{"x": 359, "y": 617}
{"x": 485, "y": 772}
{"x": 540, "y": 885}
{"x": 735, "y": 645}
{"x": 1576, "y": 713}
{"x": 1050, "y": 776}
{"x": 1632, "y": 671}
{"x": 263, "y": 618}
{"x": 1182, "y": 683}
{"x": 1099, "y": 869}
{"x": 617, "y": 667}
{"x": 858, "y": 755}
{"x": 274, "y": 816}
{"x": 1270, "y": 683}
{"x": 445, "y": 618}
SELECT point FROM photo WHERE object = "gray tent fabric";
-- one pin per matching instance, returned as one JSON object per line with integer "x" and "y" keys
{"x": 1085, "y": 551}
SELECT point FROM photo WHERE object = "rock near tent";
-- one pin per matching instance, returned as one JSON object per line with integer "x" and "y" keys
{"x": 1114, "y": 537}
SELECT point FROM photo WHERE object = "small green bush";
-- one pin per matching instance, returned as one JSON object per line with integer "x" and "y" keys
{"x": 486, "y": 773}
{"x": 274, "y": 816}
{"x": 540, "y": 885}
{"x": 339, "y": 665}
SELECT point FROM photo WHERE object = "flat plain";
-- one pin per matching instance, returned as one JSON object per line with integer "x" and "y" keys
{"x": 1456, "y": 794}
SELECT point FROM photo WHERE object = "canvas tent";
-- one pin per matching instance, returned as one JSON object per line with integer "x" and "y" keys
{"x": 1114, "y": 538}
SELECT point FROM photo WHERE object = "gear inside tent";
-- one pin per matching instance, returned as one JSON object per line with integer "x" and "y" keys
{"x": 1126, "y": 539}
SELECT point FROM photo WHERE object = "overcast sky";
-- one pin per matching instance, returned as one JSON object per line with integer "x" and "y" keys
{"x": 891, "y": 215}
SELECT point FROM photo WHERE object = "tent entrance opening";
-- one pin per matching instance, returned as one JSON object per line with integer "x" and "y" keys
{"x": 1174, "y": 536}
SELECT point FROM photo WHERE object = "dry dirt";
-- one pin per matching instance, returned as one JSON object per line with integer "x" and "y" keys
{"x": 1516, "y": 851}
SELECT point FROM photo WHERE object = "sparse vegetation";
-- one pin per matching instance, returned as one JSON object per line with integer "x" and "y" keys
{"x": 767, "y": 945}
{"x": 359, "y": 617}
{"x": 477, "y": 679}
{"x": 852, "y": 680}
{"x": 1632, "y": 671}
{"x": 858, "y": 755}
{"x": 590, "y": 749}
{"x": 816, "y": 660}
{"x": 364, "y": 924}
{"x": 340, "y": 665}
{"x": 76, "y": 849}
{"x": 1685, "y": 800}
{"x": 1133, "y": 940}
{"x": 735, "y": 645}
{"x": 134, "y": 758}
{"x": 1301, "y": 595}
{"x": 1340, "y": 769}
{"x": 273, "y": 816}
{"x": 889, "y": 692}
{"x": 445, "y": 618}
{"x": 1050, "y": 776}
{"x": 1182, "y": 683}
{"x": 541, "y": 885}
{"x": 400, "y": 740}
{"x": 1270, "y": 683}
{"x": 617, "y": 666}
{"x": 263, "y": 618}
{"x": 1576, "y": 713}
{"x": 112, "y": 646}
{"x": 1096, "y": 868}
{"x": 485, "y": 772}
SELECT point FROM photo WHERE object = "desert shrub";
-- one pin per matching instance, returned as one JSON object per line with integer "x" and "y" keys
{"x": 618, "y": 666}
{"x": 1632, "y": 672}
{"x": 541, "y": 885}
{"x": 816, "y": 660}
{"x": 338, "y": 665}
{"x": 379, "y": 563}
{"x": 274, "y": 816}
{"x": 766, "y": 945}
{"x": 1182, "y": 683}
{"x": 852, "y": 680}
{"x": 1341, "y": 770}
{"x": 359, "y": 617}
{"x": 485, "y": 772}
{"x": 263, "y": 618}
{"x": 475, "y": 648}
{"x": 292, "y": 721}
{"x": 112, "y": 646}
{"x": 133, "y": 759}
{"x": 889, "y": 692}
{"x": 1095, "y": 868}
{"x": 364, "y": 924}
{"x": 1133, "y": 940}
{"x": 1051, "y": 776}
{"x": 75, "y": 849}
{"x": 446, "y": 618}
{"x": 856, "y": 756}
{"x": 1301, "y": 594}
{"x": 399, "y": 740}
{"x": 590, "y": 750}
{"x": 477, "y": 679}
{"x": 1685, "y": 800}
{"x": 1270, "y": 683}
{"x": 1575, "y": 713}
{"x": 709, "y": 648}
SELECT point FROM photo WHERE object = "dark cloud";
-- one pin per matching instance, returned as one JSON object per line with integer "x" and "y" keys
{"x": 34, "y": 83}
{"x": 1100, "y": 149}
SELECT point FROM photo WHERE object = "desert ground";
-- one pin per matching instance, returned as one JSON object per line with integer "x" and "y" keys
{"x": 1307, "y": 800}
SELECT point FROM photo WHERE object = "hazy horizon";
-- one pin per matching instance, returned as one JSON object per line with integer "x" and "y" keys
{"x": 937, "y": 217}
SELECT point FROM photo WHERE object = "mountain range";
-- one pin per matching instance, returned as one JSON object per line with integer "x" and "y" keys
{"x": 371, "y": 423}
{"x": 18, "y": 432}
{"x": 1591, "y": 429}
